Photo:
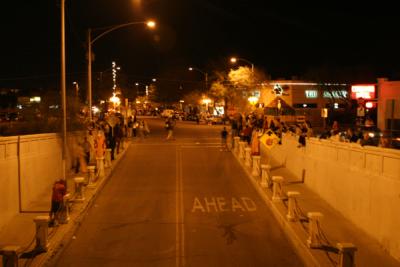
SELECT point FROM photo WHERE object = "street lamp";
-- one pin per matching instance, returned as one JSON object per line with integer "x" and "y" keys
{"x": 151, "y": 24}
{"x": 236, "y": 59}
{"x": 76, "y": 88}
{"x": 202, "y": 72}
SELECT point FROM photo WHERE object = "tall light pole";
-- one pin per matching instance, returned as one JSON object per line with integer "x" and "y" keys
{"x": 63, "y": 90}
{"x": 236, "y": 59}
{"x": 202, "y": 72}
{"x": 90, "y": 42}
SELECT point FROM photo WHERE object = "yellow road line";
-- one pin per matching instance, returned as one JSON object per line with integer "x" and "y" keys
{"x": 182, "y": 208}
{"x": 179, "y": 212}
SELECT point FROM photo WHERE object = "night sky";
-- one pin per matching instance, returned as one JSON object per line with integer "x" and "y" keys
{"x": 282, "y": 39}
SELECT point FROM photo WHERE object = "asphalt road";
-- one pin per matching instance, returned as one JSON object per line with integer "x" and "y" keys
{"x": 179, "y": 203}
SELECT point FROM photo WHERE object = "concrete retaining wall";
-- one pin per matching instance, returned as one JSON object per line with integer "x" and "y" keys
{"x": 363, "y": 183}
{"x": 39, "y": 164}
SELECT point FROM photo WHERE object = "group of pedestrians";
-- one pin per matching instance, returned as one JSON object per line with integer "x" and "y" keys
{"x": 137, "y": 128}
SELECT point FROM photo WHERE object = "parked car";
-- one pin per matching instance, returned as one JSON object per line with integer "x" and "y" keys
{"x": 167, "y": 113}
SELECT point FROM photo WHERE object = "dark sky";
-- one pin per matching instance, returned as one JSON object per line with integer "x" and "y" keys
{"x": 280, "y": 38}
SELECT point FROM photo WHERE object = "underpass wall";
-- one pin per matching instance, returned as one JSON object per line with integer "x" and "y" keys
{"x": 363, "y": 183}
{"x": 29, "y": 165}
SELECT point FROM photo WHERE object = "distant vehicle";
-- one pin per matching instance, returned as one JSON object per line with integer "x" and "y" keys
{"x": 167, "y": 113}
{"x": 215, "y": 120}
{"x": 374, "y": 132}
{"x": 192, "y": 117}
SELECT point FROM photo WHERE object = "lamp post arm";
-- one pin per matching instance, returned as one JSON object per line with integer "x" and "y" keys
{"x": 248, "y": 62}
{"x": 113, "y": 28}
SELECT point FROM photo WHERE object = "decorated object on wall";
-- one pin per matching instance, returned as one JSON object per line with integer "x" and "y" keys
{"x": 280, "y": 90}
{"x": 269, "y": 139}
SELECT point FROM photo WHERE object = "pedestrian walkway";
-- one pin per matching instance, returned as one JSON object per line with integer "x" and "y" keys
{"x": 20, "y": 231}
{"x": 334, "y": 227}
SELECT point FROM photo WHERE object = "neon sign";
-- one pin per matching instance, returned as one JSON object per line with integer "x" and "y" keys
{"x": 363, "y": 91}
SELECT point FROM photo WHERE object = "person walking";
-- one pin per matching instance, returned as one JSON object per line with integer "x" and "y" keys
{"x": 169, "y": 126}
{"x": 224, "y": 136}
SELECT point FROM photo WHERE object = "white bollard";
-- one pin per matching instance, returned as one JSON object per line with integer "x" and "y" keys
{"x": 277, "y": 188}
{"x": 256, "y": 166}
{"x": 100, "y": 167}
{"x": 291, "y": 215}
{"x": 247, "y": 160}
{"x": 236, "y": 148}
{"x": 265, "y": 175}
{"x": 314, "y": 218}
{"x": 122, "y": 144}
{"x": 242, "y": 146}
{"x": 10, "y": 256}
{"x": 64, "y": 216}
{"x": 346, "y": 254}
{"x": 229, "y": 144}
{"x": 42, "y": 224}
{"x": 79, "y": 190}
{"x": 107, "y": 159}
{"x": 91, "y": 176}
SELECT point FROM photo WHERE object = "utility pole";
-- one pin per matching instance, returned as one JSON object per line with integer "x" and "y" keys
{"x": 63, "y": 89}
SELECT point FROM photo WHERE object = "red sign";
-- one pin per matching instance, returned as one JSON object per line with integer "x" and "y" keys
{"x": 363, "y": 91}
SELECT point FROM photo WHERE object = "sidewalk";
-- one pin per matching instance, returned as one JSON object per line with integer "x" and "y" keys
{"x": 335, "y": 227}
{"x": 20, "y": 231}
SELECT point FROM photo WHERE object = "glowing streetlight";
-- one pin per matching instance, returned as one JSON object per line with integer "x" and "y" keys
{"x": 236, "y": 59}
{"x": 115, "y": 100}
{"x": 150, "y": 24}
{"x": 202, "y": 72}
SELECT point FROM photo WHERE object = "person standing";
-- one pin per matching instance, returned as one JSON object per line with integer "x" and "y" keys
{"x": 57, "y": 197}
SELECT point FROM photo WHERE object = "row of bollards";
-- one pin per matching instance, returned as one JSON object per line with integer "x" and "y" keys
{"x": 94, "y": 173}
{"x": 262, "y": 172}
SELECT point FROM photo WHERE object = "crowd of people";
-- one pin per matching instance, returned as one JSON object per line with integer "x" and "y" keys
{"x": 249, "y": 126}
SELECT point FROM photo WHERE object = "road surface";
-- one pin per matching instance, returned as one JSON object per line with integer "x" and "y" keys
{"x": 179, "y": 203}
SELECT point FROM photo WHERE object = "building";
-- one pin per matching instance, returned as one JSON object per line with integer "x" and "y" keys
{"x": 388, "y": 103}
{"x": 308, "y": 99}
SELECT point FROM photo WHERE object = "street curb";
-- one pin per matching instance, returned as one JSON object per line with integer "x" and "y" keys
{"x": 300, "y": 247}
{"x": 54, "y": 252}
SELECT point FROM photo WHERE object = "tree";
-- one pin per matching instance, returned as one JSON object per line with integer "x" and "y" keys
{"x": 237, "y": 83}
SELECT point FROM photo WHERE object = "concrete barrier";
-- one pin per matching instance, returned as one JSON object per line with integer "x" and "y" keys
{"x": 42, "y": 236}
{"x": 247, "y": 159}
{"x": 266, "y": 179}
{"x": 256, "y": 166}
{"x": 291, "y": 214}
{"x": 10, "y": 256}
{"x": 277, "y": 193}
{"x": 352, "y": 179}
{"x": 346, "y": 254}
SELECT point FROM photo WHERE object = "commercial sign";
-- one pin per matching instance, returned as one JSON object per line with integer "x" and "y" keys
{"x": 311, "y": 93}
{"x": 335, "y": 94}
{"x": 363, "y": 91}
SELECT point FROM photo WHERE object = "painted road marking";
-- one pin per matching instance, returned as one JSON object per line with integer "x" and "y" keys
{"x": 221, "y": 204}
{"x": 179, "y": 230}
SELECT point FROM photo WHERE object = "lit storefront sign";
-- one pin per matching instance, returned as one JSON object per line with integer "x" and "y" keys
{"x": 35, "y": 99}
{"x": 335, "y": 94}
{"x": 311, "y": 93}
{"x": 363, "y": 91}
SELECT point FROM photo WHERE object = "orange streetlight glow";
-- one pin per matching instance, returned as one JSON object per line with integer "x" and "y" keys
{"x": 151, "y": 24}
